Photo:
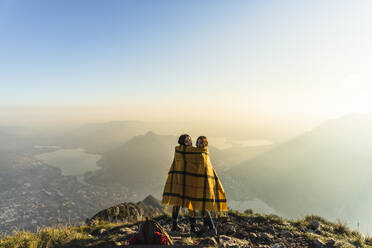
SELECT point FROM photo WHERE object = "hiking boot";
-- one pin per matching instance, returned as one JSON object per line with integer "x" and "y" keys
{"x": 176, "y": 227}
{"x": 193, "y": 230}
{"x": 192, "y": 225}
{"x": 212, "y": 232}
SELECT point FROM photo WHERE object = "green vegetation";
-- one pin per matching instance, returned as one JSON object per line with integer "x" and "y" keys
{"x": 338, "y": 231}
{"x": 48, "y": 237}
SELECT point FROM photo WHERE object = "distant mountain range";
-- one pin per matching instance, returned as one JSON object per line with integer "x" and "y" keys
{"x": 141, "y": 162}
{"x": 325, "y": 171}
{"x": 102, "y": 137}
{"x": 145, "y": 160}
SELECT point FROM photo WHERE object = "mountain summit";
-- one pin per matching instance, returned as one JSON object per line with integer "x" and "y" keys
{"x": 113, "y": 227}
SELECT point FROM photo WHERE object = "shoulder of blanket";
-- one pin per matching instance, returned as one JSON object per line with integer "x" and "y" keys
{"x": 191, "y": 149}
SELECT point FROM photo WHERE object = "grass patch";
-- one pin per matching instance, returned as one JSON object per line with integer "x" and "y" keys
{"x": 48, "y": 237}
{"x": 358, "y": 242}
{"x": 273, "y": 218}
{"x": 341, "y": 228}
{"x": 310, "y": 218}
{"x": 368, "y": 240}
{"x": 248, "y": 211}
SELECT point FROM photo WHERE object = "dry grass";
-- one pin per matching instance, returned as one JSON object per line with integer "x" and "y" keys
{"x": 48, "y": 237}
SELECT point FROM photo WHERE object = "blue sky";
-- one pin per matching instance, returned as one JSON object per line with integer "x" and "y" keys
{"x": 97, "y": 46}
{"x": 240, "y": 58}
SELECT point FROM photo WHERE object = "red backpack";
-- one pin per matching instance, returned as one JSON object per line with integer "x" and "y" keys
{"x": 151, "y": 233}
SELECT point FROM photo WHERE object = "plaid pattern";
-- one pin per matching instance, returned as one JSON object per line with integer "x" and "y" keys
{"x": 193, "y": 183}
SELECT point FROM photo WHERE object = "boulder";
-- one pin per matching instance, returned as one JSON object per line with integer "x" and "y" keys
{"x": 267, "y": 236}
{"x": 228, "y": 229}
{"x": 314, "y": 225}
{"x": 208, "y": 241}
{"x": 286, "y": 234}
{"x": 279, "y": 245}
{"x": 318, "y": 243}
{"x": 330, "y": 242}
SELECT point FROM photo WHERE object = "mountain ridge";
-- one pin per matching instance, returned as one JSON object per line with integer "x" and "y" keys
{"x": 236, "y": 229}
{"x": 324, "y": 171}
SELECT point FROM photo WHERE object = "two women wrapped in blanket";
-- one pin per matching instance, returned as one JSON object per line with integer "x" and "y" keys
{"x": 192, "y": 183}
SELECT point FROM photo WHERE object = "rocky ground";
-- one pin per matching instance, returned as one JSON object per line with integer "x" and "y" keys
{"x": 239, "y": 230}
{"x": 113, "y": 227}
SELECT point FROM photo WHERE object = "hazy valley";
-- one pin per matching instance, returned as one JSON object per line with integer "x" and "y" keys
{"x": 324, "y": 171}
{"x": 65, "y": 175}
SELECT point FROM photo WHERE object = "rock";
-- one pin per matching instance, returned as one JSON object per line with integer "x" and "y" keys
{"x": 223, "y": 238}
{"x": 279, "y": 245}
{"x": 162, "y": 222}
{"x": 318, "y": 243}
{"x": 314, "y": 225}
{"x": 153, "y": 202}
{"x": 267, "y": 236}
{"x": 232, "y": 246}
{"x": 252, "y": 236}
{"x": 98, "y": 232}
{"x": 188, "y": 241}
{"x": 180, "y": 241}
{"x": 226, "y": 241}
{"x": 128, "y": 211}
{"x": 228, "y": 228}
{"x": 126, "y": 230}
{"x": 241, "y": 234}
{"x": 331, "y": 242}
{"x": 286, "y": 234}
{"x": 208, "y": 241}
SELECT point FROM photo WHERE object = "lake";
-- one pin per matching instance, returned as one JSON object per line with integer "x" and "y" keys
{"x": 223, "y": 143}
{"x": 71, "y": 161}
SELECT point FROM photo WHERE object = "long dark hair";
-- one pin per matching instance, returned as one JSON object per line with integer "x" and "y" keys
{"x": 204, "y": 139}
{"x": 182, "y": 139}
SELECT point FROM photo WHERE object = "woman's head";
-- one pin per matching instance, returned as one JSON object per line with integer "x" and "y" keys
{"x": 185, "y": 140}
{"x": 201, "y": 142}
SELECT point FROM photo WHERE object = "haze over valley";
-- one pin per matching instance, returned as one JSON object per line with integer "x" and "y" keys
{"x": 323, "y": 171}
{"x": 102, "y": 164}
{"x": 95, "y": 94}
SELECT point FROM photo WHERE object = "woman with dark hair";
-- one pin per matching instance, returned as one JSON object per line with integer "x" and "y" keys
{"x": 202, "y": 142}
{"x": 193, "y": 183}
{"x": 183, "y": 140}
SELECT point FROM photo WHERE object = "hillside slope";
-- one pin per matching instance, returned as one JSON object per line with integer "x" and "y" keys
{"x": 326, "y": 171}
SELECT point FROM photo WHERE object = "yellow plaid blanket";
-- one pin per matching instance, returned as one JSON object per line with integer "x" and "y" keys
{"x": 193, "y": 183}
